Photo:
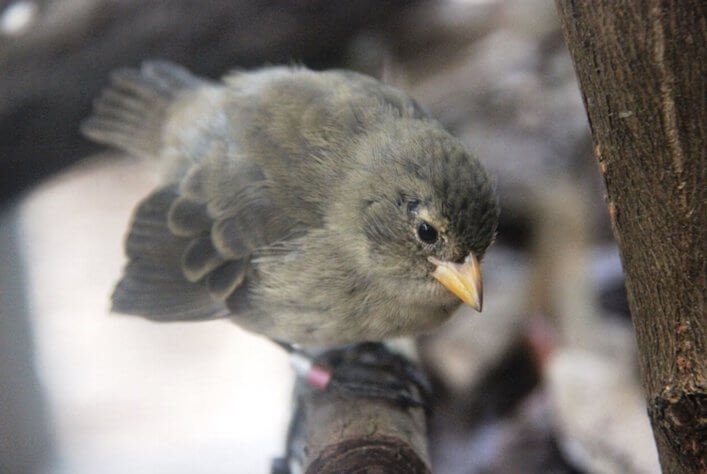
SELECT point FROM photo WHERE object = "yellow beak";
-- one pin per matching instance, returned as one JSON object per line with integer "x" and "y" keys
{"x": 462, "y": 279}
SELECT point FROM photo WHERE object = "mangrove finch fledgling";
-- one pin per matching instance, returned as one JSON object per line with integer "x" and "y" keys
{"x": 310, "y": 207}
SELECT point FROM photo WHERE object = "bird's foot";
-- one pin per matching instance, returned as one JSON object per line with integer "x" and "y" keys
{"x": 366, "y": 370}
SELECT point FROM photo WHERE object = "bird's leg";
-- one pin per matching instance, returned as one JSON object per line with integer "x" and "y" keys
{"x": 305, "y": 366}
{"x": 368, "y": 370}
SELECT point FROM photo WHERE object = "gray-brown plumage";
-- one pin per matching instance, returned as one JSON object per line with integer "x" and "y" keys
{"x": 311, "y": 207}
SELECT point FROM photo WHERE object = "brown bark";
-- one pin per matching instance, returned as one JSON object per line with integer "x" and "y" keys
{"x": 342, "y": 431}
{"x": 362, "y": 435}
{"x": 642, "y": 68}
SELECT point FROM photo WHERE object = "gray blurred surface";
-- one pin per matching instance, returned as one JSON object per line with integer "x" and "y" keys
{"x": 125, "y": 394}
{"x": 25, "y": 442}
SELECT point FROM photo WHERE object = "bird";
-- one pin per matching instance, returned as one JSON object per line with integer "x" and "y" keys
{"x": 311, "y": 207}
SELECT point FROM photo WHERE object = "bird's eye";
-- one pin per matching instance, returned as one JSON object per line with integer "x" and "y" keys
{"x": 427, "y": 233}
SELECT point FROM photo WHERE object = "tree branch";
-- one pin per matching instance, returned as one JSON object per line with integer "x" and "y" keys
{"x": 335, "y": 431}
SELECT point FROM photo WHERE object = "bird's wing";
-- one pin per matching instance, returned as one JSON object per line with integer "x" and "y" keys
{"x": 153, "y": 282}
{"x": 190, "y": 242}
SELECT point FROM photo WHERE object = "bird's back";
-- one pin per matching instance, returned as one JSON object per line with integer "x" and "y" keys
{"x": 296, "y": 125}
{"x": 300, "y": 127}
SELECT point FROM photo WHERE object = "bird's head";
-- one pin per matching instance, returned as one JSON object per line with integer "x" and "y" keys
{"x": 424, "y": 212}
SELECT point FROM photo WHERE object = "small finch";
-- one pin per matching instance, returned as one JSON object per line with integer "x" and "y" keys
{"x": 310, "y": 207}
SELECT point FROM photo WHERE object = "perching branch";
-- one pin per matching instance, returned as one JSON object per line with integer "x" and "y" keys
{"x": 642, "y": 69}
{"x": 333, "y": 431}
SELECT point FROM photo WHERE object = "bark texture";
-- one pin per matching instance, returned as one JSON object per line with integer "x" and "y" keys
{"x": 642, "y": 69}
{"x": 339, "y": 430}
{"x": 361, "y": 435}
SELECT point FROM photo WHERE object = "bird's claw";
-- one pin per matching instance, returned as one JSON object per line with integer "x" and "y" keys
{"x": 370, "y": 370}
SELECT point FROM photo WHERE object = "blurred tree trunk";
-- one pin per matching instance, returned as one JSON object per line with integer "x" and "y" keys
{"x": 642, "y": 68}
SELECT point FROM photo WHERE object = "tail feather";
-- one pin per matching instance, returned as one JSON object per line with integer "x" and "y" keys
{"x": 130, "y": 113}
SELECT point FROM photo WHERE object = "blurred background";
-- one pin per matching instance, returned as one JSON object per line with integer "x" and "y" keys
{"x": 544, "y": 381}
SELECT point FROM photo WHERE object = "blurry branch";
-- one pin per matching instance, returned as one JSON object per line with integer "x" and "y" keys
{"x": 642, "y": 73}
{"x": 335, "y": 431}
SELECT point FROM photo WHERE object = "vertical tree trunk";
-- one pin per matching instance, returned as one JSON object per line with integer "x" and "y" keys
{"x": 642, "y": 68}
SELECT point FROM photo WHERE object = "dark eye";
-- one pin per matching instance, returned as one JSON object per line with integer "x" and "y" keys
{"x": 427, "y": 233}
